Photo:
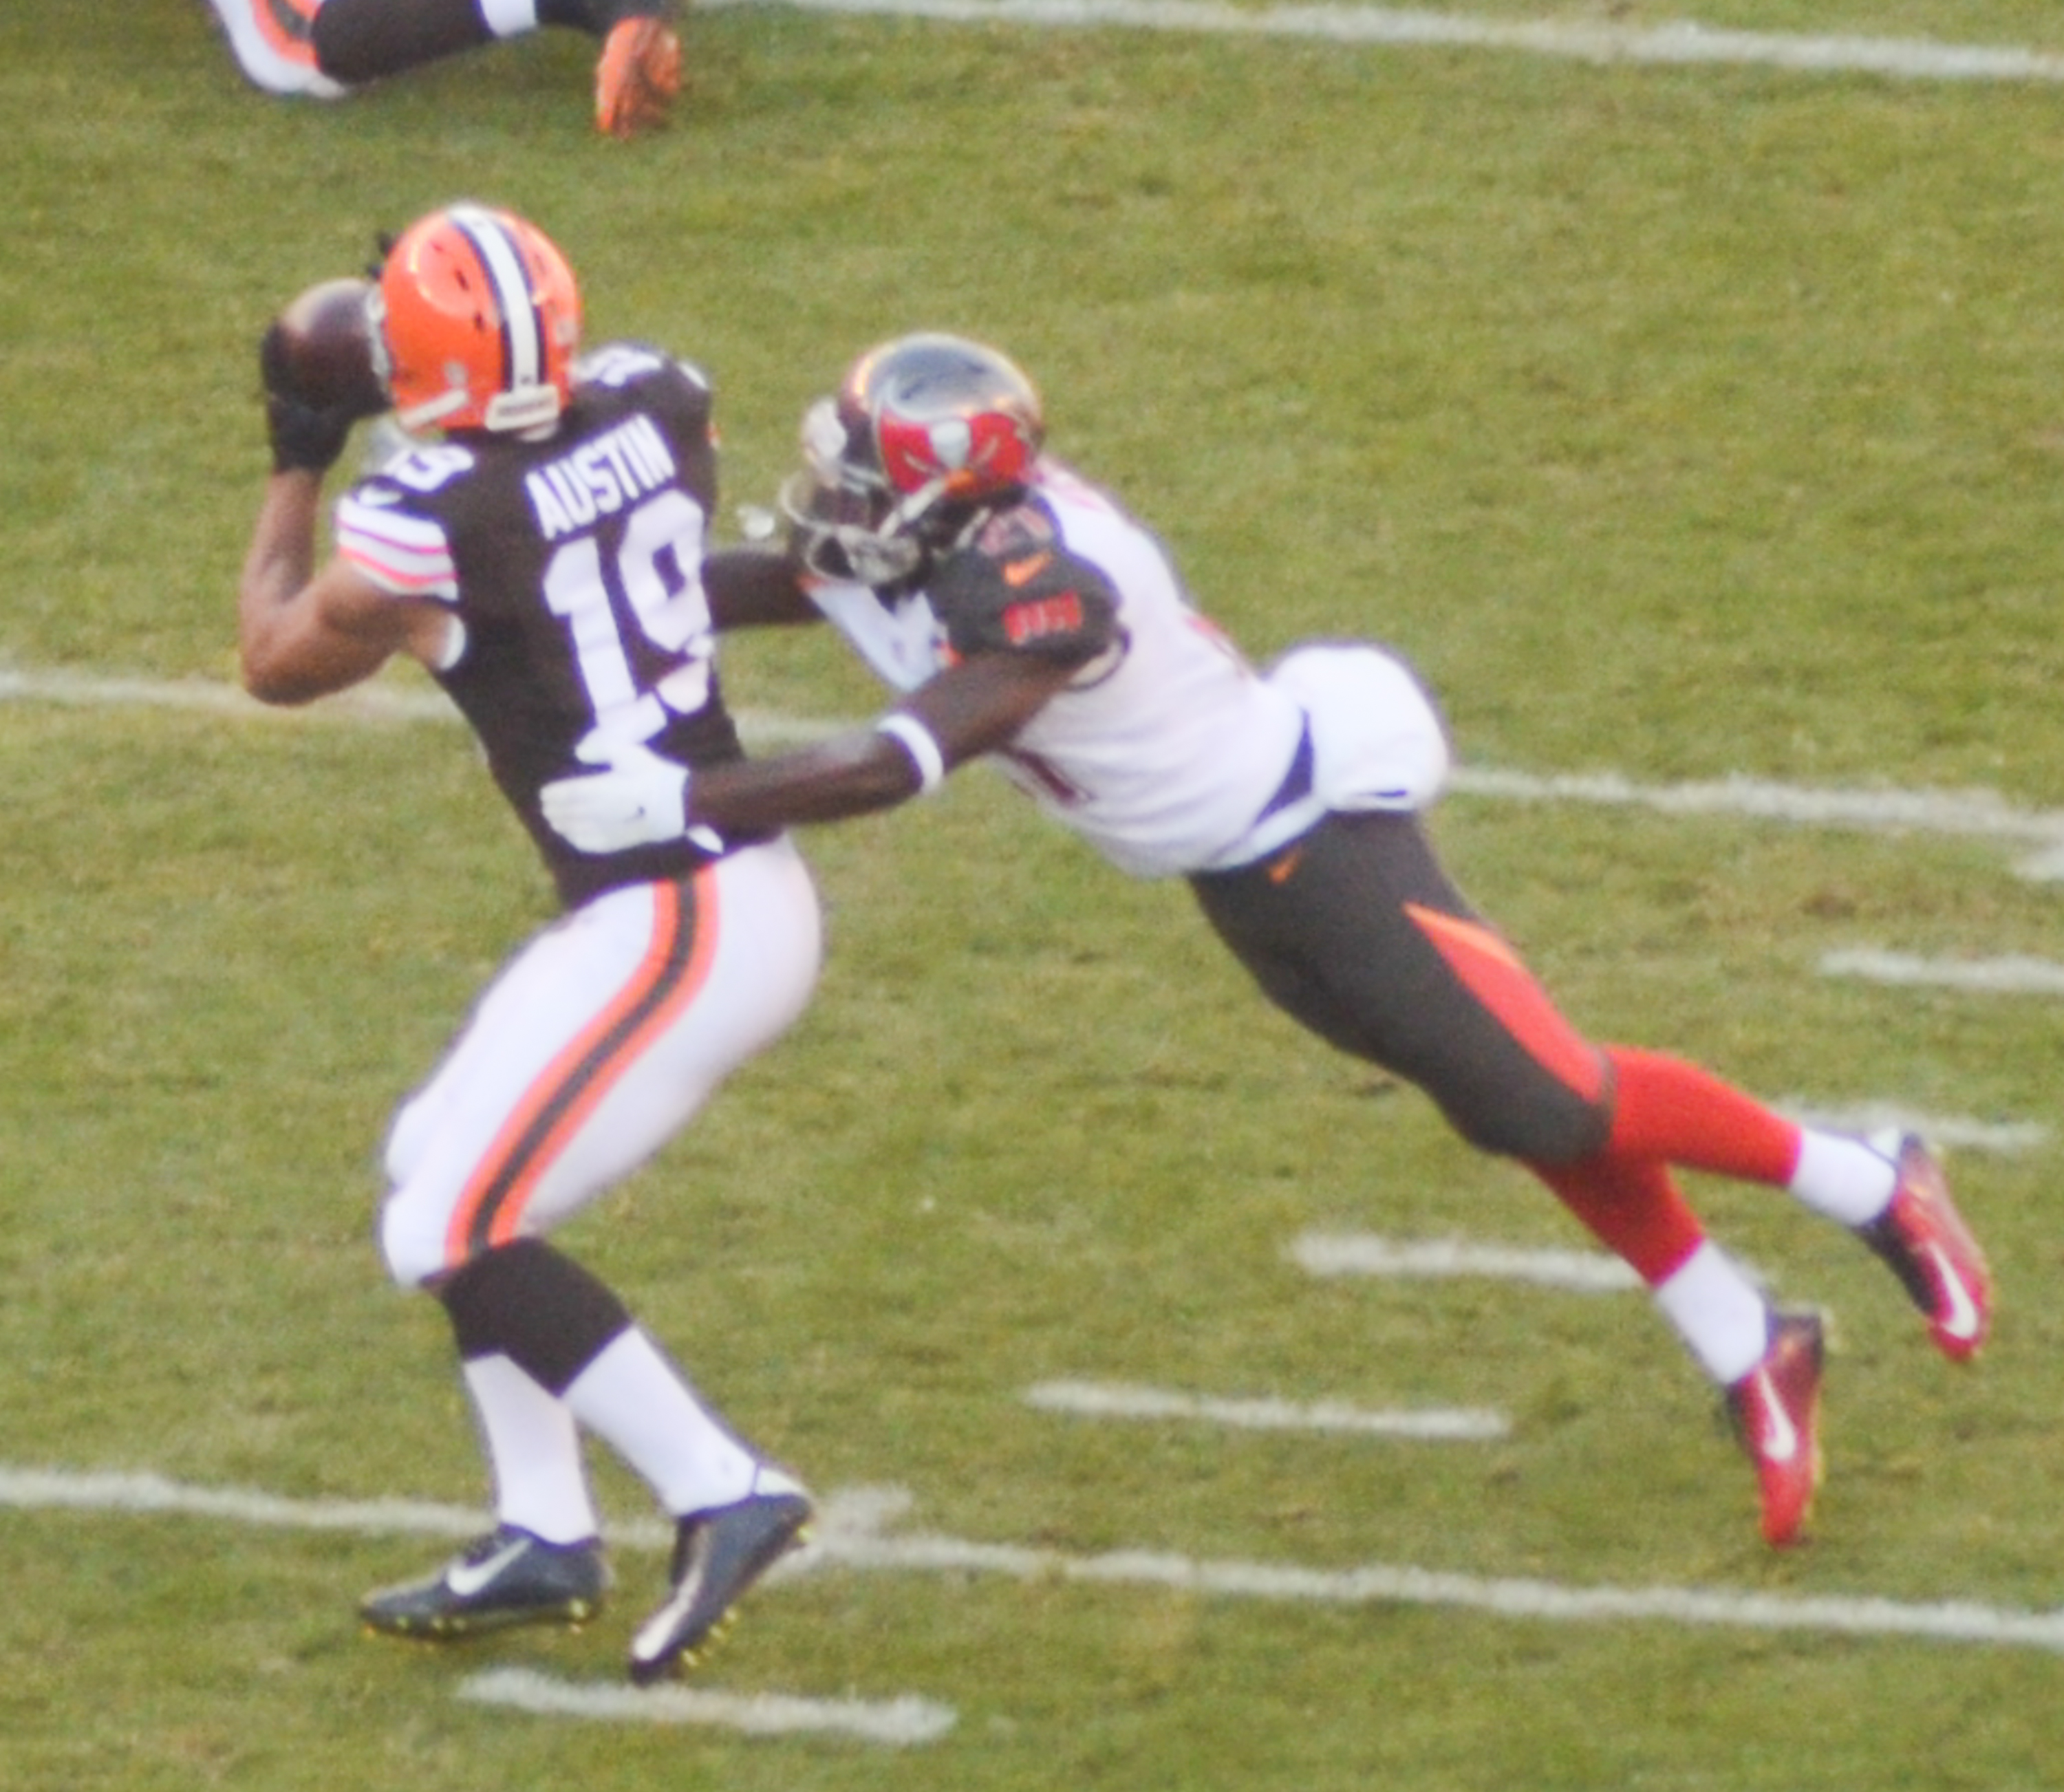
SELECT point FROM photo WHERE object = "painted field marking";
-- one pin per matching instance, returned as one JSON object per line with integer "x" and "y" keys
{"x": 144, "y": 1494}
{"x": 1107, "y": 1400}
{"x": 849, "y": 1534}
{"x": 899, "y": 1722}
{"x": 849, "y": 1529}
{"x": 1970, "y": 814}
{"x": 1338, "y": 1253}
{"x": 1915, "y": 59}
{"x": 2004, "y": 1138}
{"x": 374, "y": 701}
{"x": 2011, "y": 976}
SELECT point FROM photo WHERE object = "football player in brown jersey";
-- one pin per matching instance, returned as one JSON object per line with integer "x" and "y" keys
{"x": 1028, "y": 619}
{"x": 539, "y": 550}
{"x": 324, "y": 48}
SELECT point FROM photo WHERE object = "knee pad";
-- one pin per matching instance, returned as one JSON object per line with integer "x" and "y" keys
{"x": 411, "y": 1243}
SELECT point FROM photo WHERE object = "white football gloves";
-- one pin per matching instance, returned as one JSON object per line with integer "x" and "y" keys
{"x": 637, "y": 799}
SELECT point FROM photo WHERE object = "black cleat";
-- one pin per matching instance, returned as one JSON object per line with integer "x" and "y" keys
{"x": 508, "y": 1576}
{"x": 718, "y": 1555}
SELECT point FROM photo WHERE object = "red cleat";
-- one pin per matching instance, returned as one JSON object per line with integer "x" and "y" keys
{"x": 1930, "y": 1249}
{"x": 1776, "y": 1411}
{"x": 638, "y": 76}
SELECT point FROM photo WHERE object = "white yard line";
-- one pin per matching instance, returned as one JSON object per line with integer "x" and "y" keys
{"x": 899, "y": 1722}
{"x": 1108, "y": 1401}
{"x": 1980, "y": 814}
{"x": 1578, "y": 1272}
{"x": 1904, "y": 59}
{"x": 851, "y": 1534}
{"x": 2010, "y": 976}
{"x": 2004, "y": 1138}
{"x": 376, "y": 701}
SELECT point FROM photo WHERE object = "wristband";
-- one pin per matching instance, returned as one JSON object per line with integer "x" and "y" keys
{"x": 916, "y": 739}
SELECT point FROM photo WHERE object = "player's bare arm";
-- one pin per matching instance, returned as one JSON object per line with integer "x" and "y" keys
{"x": 971, "y": 709}
{"x": 756, "y": 587}
{"x": 303, "y": 634}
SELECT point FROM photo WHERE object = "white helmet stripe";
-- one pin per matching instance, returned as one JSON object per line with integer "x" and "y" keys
{"x": 521, "y": 331}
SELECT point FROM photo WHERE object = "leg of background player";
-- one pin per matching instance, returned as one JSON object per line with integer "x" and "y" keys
{"x": 636, "y": 78}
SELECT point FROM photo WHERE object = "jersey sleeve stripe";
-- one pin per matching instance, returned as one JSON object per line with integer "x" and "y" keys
{"x": 408, "y": 555}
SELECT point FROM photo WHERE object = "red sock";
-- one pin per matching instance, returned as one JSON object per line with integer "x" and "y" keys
{"x": 1632, "y": 1207}
{"x": 1674, "y": 1113}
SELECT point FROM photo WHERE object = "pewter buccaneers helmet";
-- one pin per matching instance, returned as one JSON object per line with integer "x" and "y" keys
{"x": 478, "y": 317}
{"x": 924, "y": 431}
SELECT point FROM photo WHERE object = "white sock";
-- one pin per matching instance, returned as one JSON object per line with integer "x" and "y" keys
{"x": 540, "y": 1481}
{"x": 637, "y": 1401}
{"x": 1848, "y": 1179}
{"x": 509, "y": 19}
{"x": 1717, "y": 1311}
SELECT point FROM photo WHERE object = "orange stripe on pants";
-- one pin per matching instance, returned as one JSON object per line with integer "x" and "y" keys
{"x": 1497, "y": 978}
{"x": 582, "y": 1076}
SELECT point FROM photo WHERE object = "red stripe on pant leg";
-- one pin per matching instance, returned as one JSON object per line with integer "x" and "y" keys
{"x": 1495, "y": 977}
{"x": 1634, "y": 1208}
{"x": 1666, "y": 1108}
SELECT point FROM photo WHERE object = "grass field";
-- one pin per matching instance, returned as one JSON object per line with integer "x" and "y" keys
{"x": 1680, "y": 422}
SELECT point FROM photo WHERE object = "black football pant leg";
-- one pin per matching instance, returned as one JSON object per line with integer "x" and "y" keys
{"x": 357, "y": 41}
{"x": 1322, "y": 926}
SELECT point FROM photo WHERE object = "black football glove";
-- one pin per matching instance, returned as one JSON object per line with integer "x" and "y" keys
{"x": 303, "y": 436}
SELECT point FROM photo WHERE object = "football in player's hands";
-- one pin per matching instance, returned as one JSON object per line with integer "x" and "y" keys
{"x": 324, "y": 349}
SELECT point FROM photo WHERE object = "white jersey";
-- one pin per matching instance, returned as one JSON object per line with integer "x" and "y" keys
{"x": 1168, "y": 752}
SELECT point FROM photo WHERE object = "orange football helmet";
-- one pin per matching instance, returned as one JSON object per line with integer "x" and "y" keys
{"x": 476, "y": 318}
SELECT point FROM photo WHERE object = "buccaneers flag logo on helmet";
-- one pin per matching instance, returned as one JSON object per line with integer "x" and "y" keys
{"x": 929, "y": 408}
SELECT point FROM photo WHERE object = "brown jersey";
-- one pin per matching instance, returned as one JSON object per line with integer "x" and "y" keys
{"x": 572, "y": 564}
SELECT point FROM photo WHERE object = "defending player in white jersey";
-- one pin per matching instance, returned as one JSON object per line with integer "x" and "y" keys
{"x": 1029, "y": 620}
{"x": 543, "y": 559}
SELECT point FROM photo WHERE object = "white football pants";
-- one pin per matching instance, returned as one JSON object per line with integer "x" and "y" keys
{"x": 594, "y": 1045}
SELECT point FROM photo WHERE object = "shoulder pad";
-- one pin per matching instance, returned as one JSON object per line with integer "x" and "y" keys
{"x": 1015, "y": 589}
{"x": 617, "y": 364}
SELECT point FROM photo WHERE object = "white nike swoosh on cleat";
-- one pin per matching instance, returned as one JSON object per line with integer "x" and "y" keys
{"x": 652, "y": 1637}
{"x": 1961, "y": 1321}
{"x": 1780, "y": 1441}
{"x": 466, "y": 1579}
